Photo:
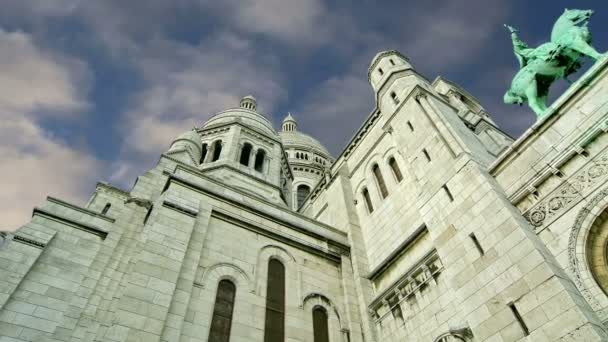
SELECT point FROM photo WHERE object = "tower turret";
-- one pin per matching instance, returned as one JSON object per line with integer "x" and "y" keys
{"x": 249, "y": 102}
{"x": 391, "y": 76}
{"x": 290, "y": 124}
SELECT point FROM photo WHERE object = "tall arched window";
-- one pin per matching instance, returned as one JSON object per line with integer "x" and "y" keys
{"x": 395, "y": 167}
{"x": 217, "y": 150}
{"x": 245, "y": 154}
{"x": 368, "y": 200}
{"x": 274, "y": 327}
{"x": 106, "y": 208}
{"x": 380, "y": 180}
{"x": 222, "y": 312}
{"x": 302, "y": 193}
{"x": 319, "y": 324}
{"x": 259, "y": 160}
{"x": 203, "y": 153}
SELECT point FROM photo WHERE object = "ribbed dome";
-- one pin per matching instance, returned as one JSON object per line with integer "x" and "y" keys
{"x": 246, "y": 117}
{"x": 305, "y": 141}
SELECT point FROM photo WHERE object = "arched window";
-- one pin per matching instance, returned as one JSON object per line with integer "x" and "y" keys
{"x": 368, "y": 200}
{"x": 106, "y": 208}
{"x": 302, "y": 192}
{"x": 203, "y": 153}
{"x": 245, "y": 154}
{"x": 217, "y": 150}
{"x": 380, "y": 180}
{"x": 274, "y": 327}
{"x": 395, "y": 167}
{"x": 380, "y": 71}
{"x": 222, "y": 312}
{"x": 259, "y": 160}
{"x": 319, "y": 324}
{"x": 392, "y": 61}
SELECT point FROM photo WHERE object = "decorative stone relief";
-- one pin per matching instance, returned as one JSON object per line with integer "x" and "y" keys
{"x": 415, "y": 280}
{"x": 569, "y": 193}
{"x": 578, "y": 268}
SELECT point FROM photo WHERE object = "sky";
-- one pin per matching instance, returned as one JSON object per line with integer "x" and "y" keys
{"x": 95, "y": 90}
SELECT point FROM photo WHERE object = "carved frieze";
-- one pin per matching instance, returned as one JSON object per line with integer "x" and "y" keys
{"x": 569, "y": 193}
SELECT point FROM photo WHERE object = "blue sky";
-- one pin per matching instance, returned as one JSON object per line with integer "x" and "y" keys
{"x": 95, "y": 90}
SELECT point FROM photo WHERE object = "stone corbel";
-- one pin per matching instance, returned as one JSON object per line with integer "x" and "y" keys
{"x": 142, "y": 202}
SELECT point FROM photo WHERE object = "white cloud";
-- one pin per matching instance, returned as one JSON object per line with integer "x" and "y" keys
{"x": 185, "y": 85}
{"x": 33, "y": 163}
{"x": 335, "y": 109}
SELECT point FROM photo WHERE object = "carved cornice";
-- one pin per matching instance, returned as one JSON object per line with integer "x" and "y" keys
{"x": 569, "y": 193}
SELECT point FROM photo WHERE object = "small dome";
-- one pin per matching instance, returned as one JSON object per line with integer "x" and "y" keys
{"x": 245, "y": 117}
{"x": 304, "y": 141}
{"x": 189, "y": 136}
{"x": 289, "y": 124}
{"x": 289, "y": 118}
{"x": 249, "y": 102}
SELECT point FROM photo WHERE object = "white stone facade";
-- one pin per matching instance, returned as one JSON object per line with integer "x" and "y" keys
{"x": 432, "y": 225}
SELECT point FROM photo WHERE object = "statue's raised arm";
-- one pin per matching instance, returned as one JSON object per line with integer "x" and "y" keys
{"x": 520, "y": 48}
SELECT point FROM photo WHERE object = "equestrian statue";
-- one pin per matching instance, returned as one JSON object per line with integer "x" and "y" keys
{"x": 541, "y": 66}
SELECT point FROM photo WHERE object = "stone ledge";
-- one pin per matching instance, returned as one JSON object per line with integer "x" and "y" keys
{"x": 101, "y": 233}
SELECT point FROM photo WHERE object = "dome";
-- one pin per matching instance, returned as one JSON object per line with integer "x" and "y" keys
{"x": 190, "y": 136}
{"x": 289, "y": 118}
{"x": 304, "y": 141}
{"x": 244, "y": 116}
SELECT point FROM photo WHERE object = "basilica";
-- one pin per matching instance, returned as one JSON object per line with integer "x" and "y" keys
{"x": 431, "y": 225}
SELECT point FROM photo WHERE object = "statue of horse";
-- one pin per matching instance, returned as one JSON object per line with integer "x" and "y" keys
{"x": 540, "y": 67}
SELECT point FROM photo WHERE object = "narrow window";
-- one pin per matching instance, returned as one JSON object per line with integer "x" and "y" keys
{"x": 394, "y": 97}
{"x": 368, "y": 200}
{"x": 395, "y": 167}
{"x": 426, "y": 154}
{"x": 409, "y": 124}
{"x": 106, "y": 208}
{"x": 245, "y": 153}
{"x": 274, "y": 327}
{"x": 381, "y": 71}
{"x": 217, "y": 150}
{"x": 523, "y": 325}
{"x": 319, "y": 325}
{"x": 447, "y": 192}
{"x": 222, "y": 312}
{"x": 392, "y": 61}
{"x": 302, "y": 192}
{"x": 477, "y": 244}
{"x": 259, "y": 161}
{"x": 203, "y": 153}
{"x": 380, "y": 180}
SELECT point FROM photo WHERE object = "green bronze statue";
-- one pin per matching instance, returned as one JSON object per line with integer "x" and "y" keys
{"x": 541, "y": 66}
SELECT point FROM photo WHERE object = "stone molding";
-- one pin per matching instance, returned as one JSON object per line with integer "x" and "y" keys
{"x": 413, "y": 280}
{"x": 292, "y": 270}
{"x": 210, "y": 276}
{"x": 101, "y": 233}
{"x": 577, "y": 254}
{"x": 569, "y": 193}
